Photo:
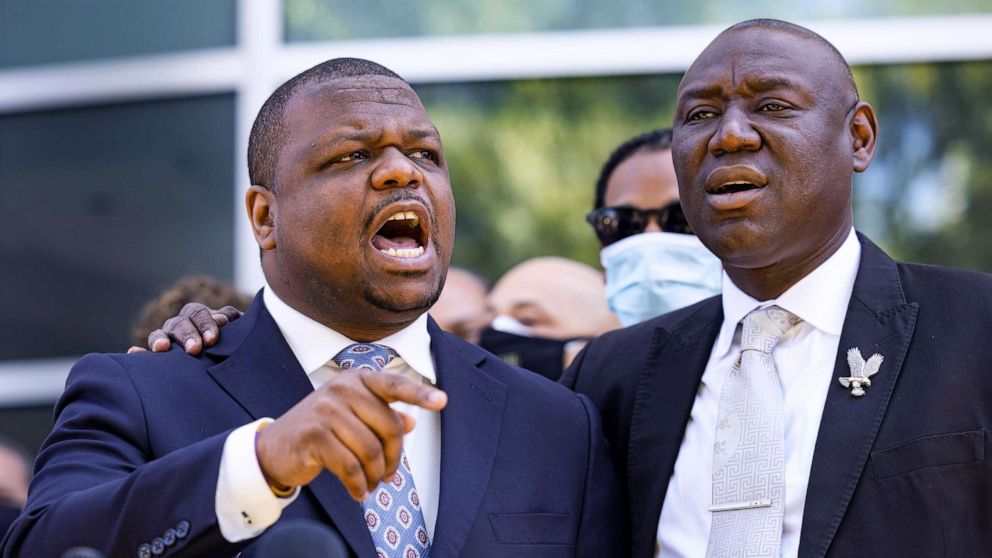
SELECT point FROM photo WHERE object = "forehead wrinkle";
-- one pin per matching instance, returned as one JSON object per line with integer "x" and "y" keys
{"x": 382, "y": 88}
{"x": 362, "y": 136}
{"x": 363, "y": 90}
{"x": 376, "y": 94}
{"x": 383, "y": 101}
{"x": 764, "y": 83}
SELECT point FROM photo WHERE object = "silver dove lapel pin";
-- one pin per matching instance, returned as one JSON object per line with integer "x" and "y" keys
{"x": 861, "y": 371}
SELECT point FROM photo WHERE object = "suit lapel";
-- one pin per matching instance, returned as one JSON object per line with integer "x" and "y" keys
{"x": 879, "y": 320}
{"x": 263, "y": 376}
{"x": 665, "y": 394}
{"x": 470, "y": 430}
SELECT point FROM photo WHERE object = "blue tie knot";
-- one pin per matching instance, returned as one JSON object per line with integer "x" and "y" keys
{"x": 364, "y": 355}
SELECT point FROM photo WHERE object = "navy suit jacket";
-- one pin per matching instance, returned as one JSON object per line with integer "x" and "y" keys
{"x": 902, "y": 471}
{"x": 137, "y": 443}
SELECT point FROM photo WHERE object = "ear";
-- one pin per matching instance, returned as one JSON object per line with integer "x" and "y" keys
{"x": 261, "y": 204}
{"x": 864, "y": 135}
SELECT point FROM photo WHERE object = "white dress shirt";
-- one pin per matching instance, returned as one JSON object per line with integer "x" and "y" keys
{"x": 245, "y": 504}
{"x": 805, "y": 359}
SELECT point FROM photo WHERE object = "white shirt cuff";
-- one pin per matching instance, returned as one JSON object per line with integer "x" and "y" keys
{"x": 244, "y": 502}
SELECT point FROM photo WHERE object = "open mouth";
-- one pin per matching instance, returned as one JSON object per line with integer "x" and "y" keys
{"x": 403, "y": 235}
{"x": 735, "y": 179}
{"x": 734, "y": 187}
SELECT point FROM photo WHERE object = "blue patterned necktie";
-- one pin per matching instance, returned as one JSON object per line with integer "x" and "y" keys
{"x": 749, "y": 448}
{"x": 392, "y": 510}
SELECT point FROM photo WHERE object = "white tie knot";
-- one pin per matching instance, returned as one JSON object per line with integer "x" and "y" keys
{"x": 764, "y": 327}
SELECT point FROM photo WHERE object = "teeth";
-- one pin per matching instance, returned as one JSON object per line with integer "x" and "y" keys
{"x": 404, "y": 252}
{"x": 405, "y": 216}
{"x": 736, "y": 182}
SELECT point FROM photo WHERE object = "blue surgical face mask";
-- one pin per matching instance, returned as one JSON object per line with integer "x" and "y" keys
{"x": 651, "y": 274}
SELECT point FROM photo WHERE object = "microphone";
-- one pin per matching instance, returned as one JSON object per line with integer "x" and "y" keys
{"x": 83, "y": 552}
{"x": 301, "y": 538}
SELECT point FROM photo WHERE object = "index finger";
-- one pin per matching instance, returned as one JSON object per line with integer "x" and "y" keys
{"x": 392, "y": 387}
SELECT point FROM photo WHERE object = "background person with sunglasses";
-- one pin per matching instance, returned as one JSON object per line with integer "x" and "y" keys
{"x": 654, "y": 263}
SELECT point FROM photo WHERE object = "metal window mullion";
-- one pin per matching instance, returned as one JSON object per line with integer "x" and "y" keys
{"x": 260, "y": 24}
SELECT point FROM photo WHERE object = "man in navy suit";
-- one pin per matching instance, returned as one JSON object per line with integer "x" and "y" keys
{"x": 173, "y": 455}
{"x": 768, "y": 131}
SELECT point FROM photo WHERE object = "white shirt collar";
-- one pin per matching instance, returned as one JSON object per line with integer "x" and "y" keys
{"x": 315, "y": 344}
{"x": 820, "y": 298}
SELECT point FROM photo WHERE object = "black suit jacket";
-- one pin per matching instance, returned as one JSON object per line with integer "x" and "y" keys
{"x": 902, "y": 471}
{"x": 138, "y": 439}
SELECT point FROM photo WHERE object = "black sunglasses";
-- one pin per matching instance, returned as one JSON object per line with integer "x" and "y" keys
{"x": 615, "y": 223}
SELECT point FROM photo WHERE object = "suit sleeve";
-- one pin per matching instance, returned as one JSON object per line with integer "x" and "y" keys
{"x": 96, "y": 485}
{"x": 603, "y": 526}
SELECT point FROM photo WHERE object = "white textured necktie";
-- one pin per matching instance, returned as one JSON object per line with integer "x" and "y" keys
{"x": 749, "y": 448}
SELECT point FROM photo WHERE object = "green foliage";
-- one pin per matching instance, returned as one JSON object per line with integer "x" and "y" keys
{"x": 928, "y": 194}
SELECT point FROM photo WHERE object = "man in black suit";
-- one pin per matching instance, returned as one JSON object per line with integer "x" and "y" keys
{"x": 173, "y": 455}
{"x": 880, "y": 385}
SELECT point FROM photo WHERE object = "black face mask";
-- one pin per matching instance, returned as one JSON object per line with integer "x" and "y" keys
{"x": 537, "y": 354}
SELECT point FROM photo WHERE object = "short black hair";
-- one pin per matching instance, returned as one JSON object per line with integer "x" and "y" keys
{"x": 268, "y": 132}
{"x": 656, "y": 140}
{"x": 801, "y": 32}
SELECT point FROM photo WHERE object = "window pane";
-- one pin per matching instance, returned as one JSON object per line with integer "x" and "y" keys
{"x": 524, "y": 157}
{"x": 316, "y": 20}
{"x": 103, "y": 207}
{"x": 43, "y": 31}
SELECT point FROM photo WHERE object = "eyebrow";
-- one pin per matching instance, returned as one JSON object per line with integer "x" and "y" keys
{"x": 762, "y": 83}
{"x": 367, "y": 136}
{"x": 702, "y": 91}
{"x": 423, "y": 133}
{"x": 372, "y": 135}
